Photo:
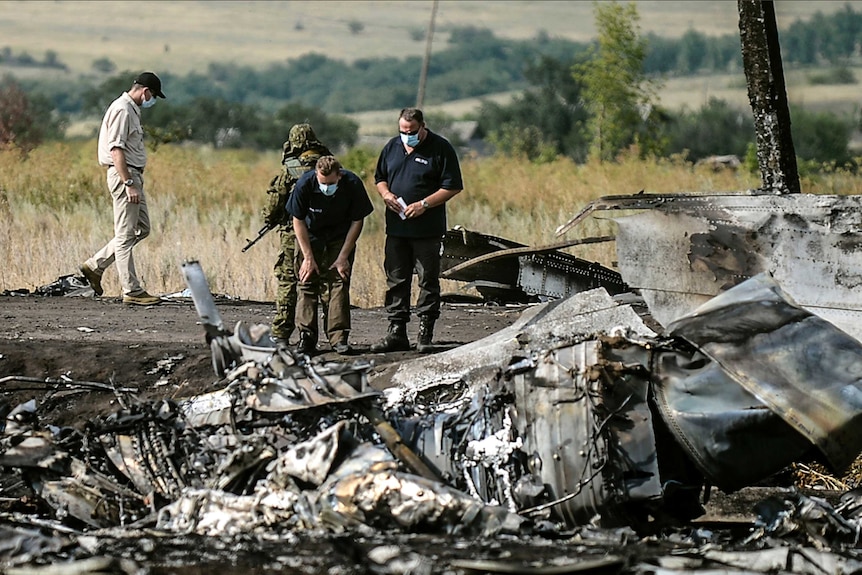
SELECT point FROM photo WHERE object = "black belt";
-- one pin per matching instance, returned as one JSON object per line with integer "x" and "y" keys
{"x": 129, "y": 166}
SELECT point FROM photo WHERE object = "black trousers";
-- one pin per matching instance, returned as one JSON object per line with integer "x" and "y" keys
{"x": 401, "y": 257}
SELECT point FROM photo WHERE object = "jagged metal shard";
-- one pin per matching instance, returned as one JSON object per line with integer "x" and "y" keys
{"x": 582, "y": 427}
{"x": 564, "y": 429}
{"x": 204, "y": 303}
{"x": 680, "y": 250}
{"x": 540, "y": 327}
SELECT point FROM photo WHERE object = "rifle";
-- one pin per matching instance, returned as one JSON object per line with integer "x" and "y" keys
{"x": 260, "y": 233}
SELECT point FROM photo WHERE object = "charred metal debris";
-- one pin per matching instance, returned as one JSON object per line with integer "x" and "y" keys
{"x": 504, "y": 271}
{"x": 577, "y": 422}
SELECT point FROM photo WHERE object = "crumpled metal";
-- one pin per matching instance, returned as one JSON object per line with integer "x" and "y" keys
{"x": 775, "y": 372}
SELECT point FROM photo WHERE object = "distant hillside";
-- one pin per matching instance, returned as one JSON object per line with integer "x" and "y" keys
{"x": 183, "y": 37}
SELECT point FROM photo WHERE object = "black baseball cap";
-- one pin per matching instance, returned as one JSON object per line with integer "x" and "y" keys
{"x": 152, "y": 82}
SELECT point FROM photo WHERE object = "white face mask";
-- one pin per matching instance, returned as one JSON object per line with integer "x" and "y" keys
{"x": 411, "y": 140}
{"x": 327, "y": 189}
{"x": 148, "y": 103}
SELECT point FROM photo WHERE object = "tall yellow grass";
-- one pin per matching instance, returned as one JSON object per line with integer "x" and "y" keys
{"x": 204, "y": 204}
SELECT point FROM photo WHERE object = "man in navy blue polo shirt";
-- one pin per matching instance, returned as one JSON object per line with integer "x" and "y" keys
{"x": 328, "y": 206}
{"x": 417, "y": 173}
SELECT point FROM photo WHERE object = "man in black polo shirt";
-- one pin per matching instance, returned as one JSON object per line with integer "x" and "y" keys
{"x": 417, "y": 173}
{"x": 328, "y": 206}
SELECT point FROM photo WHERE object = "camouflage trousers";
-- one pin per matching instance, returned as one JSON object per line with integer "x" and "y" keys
{"x": 284, "y": 321}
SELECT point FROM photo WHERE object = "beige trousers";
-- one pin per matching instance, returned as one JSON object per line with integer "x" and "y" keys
{"x": 131, "y": 225}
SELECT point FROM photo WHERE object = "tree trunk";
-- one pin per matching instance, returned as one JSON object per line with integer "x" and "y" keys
{"x": 761, "y": 57}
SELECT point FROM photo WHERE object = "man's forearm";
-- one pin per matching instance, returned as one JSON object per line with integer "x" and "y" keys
{"x": 118, "y": 155}
{"x": 440, "y": 197}
{"x": 302, "y": 238}
{"x": 350, "y": 239}
{"x": 383, "y": 189}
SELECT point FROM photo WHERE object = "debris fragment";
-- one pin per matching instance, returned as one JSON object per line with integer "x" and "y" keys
{"x": 680, "y": 250}
{"x": 504, "y": 271}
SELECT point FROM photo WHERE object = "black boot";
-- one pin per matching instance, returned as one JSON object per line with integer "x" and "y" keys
{"x": 307, "y": 343}
{"x": 395, "y": 340}
{"x": 426, "y": 334}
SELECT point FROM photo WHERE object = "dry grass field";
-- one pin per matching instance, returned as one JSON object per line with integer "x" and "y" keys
{"x": 205, "y": 203}
{"x": 693, "y": 91}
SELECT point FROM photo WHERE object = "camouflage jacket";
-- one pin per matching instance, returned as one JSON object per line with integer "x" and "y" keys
{"x": 300, "y": 154}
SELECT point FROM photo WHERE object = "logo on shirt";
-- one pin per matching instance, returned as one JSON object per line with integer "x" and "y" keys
{"x": 421, "y": 161}
{"x": 315, "y": 210}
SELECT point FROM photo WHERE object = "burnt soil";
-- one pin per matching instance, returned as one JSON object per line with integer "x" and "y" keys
{"x": 161, "y": 351}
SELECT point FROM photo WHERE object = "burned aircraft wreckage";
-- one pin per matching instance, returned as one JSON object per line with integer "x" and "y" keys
{"x": 584, "y": 416}
{"x": 578, "y": 415}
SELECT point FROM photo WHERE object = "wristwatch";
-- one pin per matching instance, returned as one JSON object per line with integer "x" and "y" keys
{"x": 425, "y": 204}
{"x": 129, "y": 182}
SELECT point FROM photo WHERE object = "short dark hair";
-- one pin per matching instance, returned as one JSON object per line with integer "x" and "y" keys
{"x": 411, "y": 114}
{"x": 327, "y": 165}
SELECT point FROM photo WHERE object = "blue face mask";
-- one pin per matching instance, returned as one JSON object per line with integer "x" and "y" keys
{"x": 411, "y": 140}
{"x": 148, "y": 103}
{"x": 327, "y": 189}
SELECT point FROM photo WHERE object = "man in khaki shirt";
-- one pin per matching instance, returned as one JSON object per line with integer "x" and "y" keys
{"x": 121, "y": 150}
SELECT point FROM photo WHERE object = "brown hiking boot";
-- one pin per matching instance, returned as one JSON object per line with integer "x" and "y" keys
{"x": 142, "y": 298}
{"x": 94, "y": 279}
{"x": 426, "y": 334}
{"x": 395, "y": 340}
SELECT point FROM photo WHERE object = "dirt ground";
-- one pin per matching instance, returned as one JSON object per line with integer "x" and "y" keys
{"x": 161, "y": 351}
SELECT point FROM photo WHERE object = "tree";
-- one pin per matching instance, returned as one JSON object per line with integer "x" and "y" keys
{"x": 546, "y": 120}
{"x": 715, "y": 129}
{"x": 821, "y": 136}
{"x": 104, "y": 65}
{"x": 522, "y": 142}
{"x": 52, "y": 60}
{"x": 25, "y": 121}
{"x": 692, "y": 52}
{"x": 218, "y": 122}
{"x": 616, "y": 88}
{"x": 96, "y": 100}
{"x": 339, "y": 132}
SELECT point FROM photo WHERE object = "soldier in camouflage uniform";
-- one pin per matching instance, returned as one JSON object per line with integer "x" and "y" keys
{"x": 301, "y": 151}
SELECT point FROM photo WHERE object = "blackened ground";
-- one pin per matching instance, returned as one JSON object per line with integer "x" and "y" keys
{"x": 161, "y": 350}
